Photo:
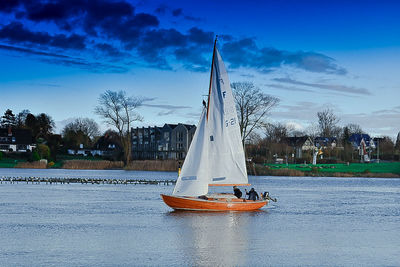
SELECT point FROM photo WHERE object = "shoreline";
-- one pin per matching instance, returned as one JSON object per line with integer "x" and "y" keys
{"x": 277, "y": 173}
{"x": 361, "y": 170}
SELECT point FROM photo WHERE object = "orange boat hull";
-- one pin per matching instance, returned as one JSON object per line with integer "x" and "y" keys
{"x": 211, "y": 204}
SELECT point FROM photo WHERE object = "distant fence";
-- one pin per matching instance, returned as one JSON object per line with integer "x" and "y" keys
{"x": 66, "y": 180}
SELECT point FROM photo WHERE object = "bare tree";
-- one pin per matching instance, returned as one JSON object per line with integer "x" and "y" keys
{"x": 327, "y": 122}
{"x": 118, "y": 110}
{"x": 354, "y": 128}
{"x": 253, "y": 107}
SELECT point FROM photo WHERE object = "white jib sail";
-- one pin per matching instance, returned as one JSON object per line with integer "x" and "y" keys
{"x": 226, "y": 156}
{"x": 194, "y": 177}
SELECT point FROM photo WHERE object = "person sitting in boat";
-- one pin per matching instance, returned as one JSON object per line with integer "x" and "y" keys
{"x": 237, "y": 192}
{"x": 252, "y": 194}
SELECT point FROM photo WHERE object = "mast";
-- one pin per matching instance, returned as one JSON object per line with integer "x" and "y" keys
{"x": 211, "y": 75}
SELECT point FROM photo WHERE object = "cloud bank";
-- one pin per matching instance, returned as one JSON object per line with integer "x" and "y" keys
{"x": 77, "y": 33}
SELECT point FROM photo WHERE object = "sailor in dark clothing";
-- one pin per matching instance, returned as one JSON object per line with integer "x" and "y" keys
{"x": 252, "y": 194}
{"x": 237, "y": 192}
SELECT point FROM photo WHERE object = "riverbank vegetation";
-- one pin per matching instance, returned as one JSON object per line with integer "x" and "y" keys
{"x": 153, "y": 165}
{"x": 383, "y": 169}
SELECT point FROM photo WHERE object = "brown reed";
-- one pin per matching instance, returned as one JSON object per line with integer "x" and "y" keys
{"x": 32, "y": 165}
{"x": 92, "y": 164}
{"x": 153, "y": 165}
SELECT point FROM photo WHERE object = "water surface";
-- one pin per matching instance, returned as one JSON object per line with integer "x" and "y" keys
{"x": 316, "y": 222}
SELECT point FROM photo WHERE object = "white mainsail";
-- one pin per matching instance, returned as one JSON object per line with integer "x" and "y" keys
{"x": 216, "y": 153}
{"x": 226, "y": 155}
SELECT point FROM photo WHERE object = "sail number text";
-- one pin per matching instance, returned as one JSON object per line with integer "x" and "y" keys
{"x": 230, "y": 122}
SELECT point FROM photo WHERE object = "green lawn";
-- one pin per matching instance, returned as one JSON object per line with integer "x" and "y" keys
{"x": 9, "y": 163}
{"x": 386, "y": 167}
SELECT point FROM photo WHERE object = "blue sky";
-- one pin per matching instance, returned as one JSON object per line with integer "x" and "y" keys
{"x": 57, "y": 57}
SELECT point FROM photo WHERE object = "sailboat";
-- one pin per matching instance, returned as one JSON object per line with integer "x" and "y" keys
{"x": 215, "y": 156}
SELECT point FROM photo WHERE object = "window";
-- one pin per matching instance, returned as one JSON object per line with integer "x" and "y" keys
{"x": 166, "y": 136}
{"x": 22, "y": 147}
{"x": 180, "y": 136}
{"x": 4, "y": 139}
{"x": 4, "y": 147}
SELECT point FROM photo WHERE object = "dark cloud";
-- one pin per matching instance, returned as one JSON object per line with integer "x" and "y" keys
{"x": 106, "y": 17}
{"x": 31, "y": 51}
{"x": 129, "y": 31}
{"x": 114, "y": 28}
{"x": 16, "y": 33}
{"x": 330, "y": 87}
{"x": 166, "y": 109}
{"x": 87, "y": 65}
{"x": 177, "y": 12}
{"x": 69, "y": 42}
{"x": 289, "y": 88}
{"x": 101, "y": 10}
{"x": 50, "y": 11}
{"x": 191, "y": 18}
{"x": 195, "y": 61}
{"x": 161, "y": 9}
{"x": 8, "y": 5}
{"x": 200, "y": 37}
{"x": 155, "y": 42}
{"x": 245, "y": 53}
{"x": 109, "y": 50}
{"x": 59, "y": 59}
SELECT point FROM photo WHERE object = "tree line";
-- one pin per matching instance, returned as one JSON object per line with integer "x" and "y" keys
{"x": 117, "y": 109}
{"x": 263, "y": 139}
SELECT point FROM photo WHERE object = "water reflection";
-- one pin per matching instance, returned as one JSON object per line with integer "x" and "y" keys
{"x": 213, "y": 238}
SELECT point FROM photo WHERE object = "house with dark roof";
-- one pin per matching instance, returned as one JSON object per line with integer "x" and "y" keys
{"x": 106, "y": 146}
{"x": 170, "y": 141}
{"x": 325, "y": 142}
{"x": 356, "y": 139}
{"x": 16, "y": 140}
{"x": 300, "y": 144}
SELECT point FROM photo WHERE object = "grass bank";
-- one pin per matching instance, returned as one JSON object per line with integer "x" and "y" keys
{"x": 384, "y": 169}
